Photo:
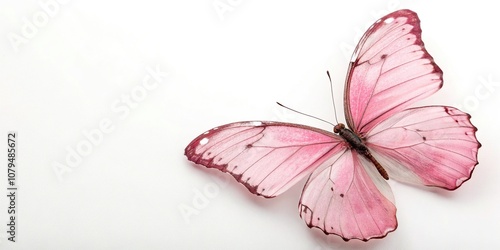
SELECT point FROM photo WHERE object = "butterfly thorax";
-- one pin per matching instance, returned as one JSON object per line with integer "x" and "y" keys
{"x": 351, "y": 137}
{"x": 357, "y": 143}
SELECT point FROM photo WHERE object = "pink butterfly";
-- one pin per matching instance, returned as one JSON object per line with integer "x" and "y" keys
{"x": 346, "y": 193}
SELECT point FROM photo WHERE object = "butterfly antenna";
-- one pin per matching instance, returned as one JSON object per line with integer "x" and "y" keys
{"x": 302, "y": 113}
{"x": 333, "y": 98}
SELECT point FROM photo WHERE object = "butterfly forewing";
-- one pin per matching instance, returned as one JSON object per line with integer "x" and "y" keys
{"x": 390, "y": 70}
{"x": 266, "y": 157}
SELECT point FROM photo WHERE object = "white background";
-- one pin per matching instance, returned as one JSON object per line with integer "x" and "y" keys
{"x": 70, "y": 72}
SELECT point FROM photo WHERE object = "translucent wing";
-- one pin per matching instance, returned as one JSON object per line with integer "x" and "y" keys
{"x": 433, "y": 146}
{"x": 390, "y": 69}
{"x": 348, "y": 197}
{"x": 266, "y": 157}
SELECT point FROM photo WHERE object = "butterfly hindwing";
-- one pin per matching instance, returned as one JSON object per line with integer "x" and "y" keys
{"x": 346, "y": 196}
{"x": 432, "y": 146}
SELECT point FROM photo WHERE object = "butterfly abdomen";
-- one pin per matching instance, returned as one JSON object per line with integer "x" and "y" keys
{"x": 358, "y": 144}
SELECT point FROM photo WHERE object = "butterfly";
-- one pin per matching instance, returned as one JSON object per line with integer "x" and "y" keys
{"x": 346, "y": 193}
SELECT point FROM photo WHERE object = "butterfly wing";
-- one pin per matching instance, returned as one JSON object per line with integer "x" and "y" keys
{"x": 389, "y": 70}
{"x": 433, "y": 146}
{"x": 346, "y": 196}
{"x": 266, "y": 157}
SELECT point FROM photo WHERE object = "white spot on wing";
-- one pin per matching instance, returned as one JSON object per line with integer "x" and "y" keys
{"x": 256, "y": 123}
{"x": 204, "y": 141}
{"x": 389, "y": 20}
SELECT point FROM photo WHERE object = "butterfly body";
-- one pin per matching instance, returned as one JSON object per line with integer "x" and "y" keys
{"x": 345, "y": 194}
{"x": 357, "y": 143}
